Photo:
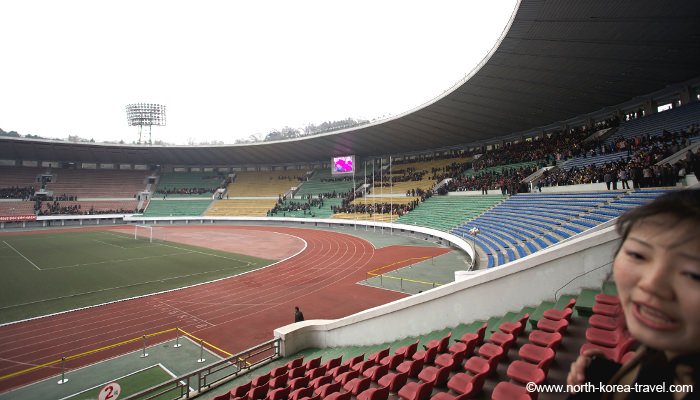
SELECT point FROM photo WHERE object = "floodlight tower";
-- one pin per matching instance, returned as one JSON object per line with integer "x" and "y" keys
{"x": 145, "y": 114}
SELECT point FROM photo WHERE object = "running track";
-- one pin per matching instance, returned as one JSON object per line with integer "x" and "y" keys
{"x": 233, "y": 314}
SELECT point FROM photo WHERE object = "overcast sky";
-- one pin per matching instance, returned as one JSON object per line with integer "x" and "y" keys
{"x": 231, "y": 69}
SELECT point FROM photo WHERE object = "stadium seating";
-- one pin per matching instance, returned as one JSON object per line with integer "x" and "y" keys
{"x": 86, "y": 183}
{"x": 319, "y": 183}
{"x": 178, "y": 184}
{"x": 490, "y": 369}
{"x": 263, "y": 183}
{"x": 526, "y": 223}
{"x": 240, "y": 207}
{"x": 165, "y": 208}
{"x": 453, "y": 210}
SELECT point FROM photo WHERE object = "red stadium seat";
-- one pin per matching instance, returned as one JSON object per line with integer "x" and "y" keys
{"x": 549, "y": 325}
{"x": 357, "y": 385}
{"x": 411, "y": 367}
{"x": 378, "y": 356}
{"x": 363, "y": 365}
{"x": 278, "y": 381}
{"x": 439, "y": 344}
{"x": 316, "y": 372}
{"x": 427, "y": 356}
{"x": 225, "y": 396}
{"x": 346, "y": 377}
{"x": 355, "y": 360}
{"x": 614, "y": 353}
{"x": 313, "y": 363}
{"x": 258, "y": 392}
{"x": 490, "y": 351}
{"x": 437, "y": 376}
{"x": 477, "y": 365}
{"x": 327, "y": 389}
{"x": 332, "y": 363}
{"x": 606, "y": 338}
{"x": 320, "y": 381}
{"x": 478, "y": 336}
{"x": 340, "y": 369}
{"x": 545, "y": 339}
{"x": 241, "y": 390}
{"x": 454, "y": 359}
{"x": 301, "y": 393}
{"x": 376, "y": 372}
{"x": 416, "y": 391}
{"x": 407, "y": 351}
{"x": 536, "y": 354}
{"x": 296, "y": 363}
{"x": 275, "y": 372}
{"x": 557, "y": 315}
{"x": 607, "y": 310}
{"x": 379, "y": 393}
{"x": 393, "y": 381}
{"x": 607, "y": 323}
{"x": 464, "y": 383}
{"x": 504, "y": 340}
{"x": 525, "y": 372}
{"x": 393, "y": 361}
{"x": 261, "y": 380}
{"x": 296, "y": 372}
{"x": 511, "y": 391}
{"x": 607, "y": 299}
{"x": 278, "y": 394}
{"x": 338, "y": 396}
{"x": 515, "y": 328}
{"x": 448, "y": 396}
{"x": 298, "y": 383}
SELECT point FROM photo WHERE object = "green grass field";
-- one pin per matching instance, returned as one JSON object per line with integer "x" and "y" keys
{"x": 130, "y": 384}
{"x": 57, "y": 271}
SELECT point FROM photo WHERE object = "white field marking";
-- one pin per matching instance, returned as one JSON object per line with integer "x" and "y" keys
{"x": 306, "y": 244}
{"x": 118, "y": 260}
{"x": 110, "y": 244}
{"x": 95, "y": 363}
{"x": 125, "y": 248}
{"x": 17, "y": 251}
{"x": 107, "y": 289}
{"x": 115, "y": 379}
{"x": 165, "y": 303}
{"x": 194, "y": 251}
{"x": 167, "y": 371}
{"x": 206, "y": 254}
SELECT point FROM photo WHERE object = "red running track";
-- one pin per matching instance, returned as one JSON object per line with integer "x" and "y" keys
{"x": 233, "y": 314}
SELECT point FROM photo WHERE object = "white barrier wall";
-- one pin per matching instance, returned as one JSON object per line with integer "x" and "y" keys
{"x": 579, "y": 263}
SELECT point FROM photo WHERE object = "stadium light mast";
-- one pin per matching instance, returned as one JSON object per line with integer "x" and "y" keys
{"x": 145, "y": 114}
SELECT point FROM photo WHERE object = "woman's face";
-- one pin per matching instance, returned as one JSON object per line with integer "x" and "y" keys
{"x": 657, "y": 272}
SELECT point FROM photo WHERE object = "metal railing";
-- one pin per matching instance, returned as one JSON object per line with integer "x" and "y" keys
{"x": 196, "y": 382}
{"x": 401, "y": 280}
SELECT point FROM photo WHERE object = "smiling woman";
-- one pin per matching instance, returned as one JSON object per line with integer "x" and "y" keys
{"x": 657, "y": 272}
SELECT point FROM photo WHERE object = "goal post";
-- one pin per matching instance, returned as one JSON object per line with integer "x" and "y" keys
{"x": 143, "y": 232}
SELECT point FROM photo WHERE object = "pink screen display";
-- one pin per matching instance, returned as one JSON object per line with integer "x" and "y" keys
{"x": 343, "y": 165}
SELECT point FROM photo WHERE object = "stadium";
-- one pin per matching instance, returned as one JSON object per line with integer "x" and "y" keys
{"x": 458, "y": 250}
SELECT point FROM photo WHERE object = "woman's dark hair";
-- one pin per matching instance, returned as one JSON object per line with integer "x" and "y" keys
{"x": 684, "y": 205}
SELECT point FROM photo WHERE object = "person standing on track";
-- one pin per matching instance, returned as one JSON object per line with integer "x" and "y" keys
{"x": 298, "y": 315}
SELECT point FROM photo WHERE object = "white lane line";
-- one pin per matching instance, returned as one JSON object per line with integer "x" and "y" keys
{"x": 17, "y": 251}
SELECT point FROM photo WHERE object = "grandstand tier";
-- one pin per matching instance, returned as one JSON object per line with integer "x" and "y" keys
{"x": 240, "y": 207}
{"x": 164, "y": 208}
{"x": 189, "y": 184}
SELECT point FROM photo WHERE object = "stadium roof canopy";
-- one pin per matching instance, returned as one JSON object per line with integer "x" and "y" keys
{"x": 557, "y": 60}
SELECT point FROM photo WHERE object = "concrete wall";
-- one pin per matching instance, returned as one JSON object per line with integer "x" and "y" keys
{"x": 579, "y": 263}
